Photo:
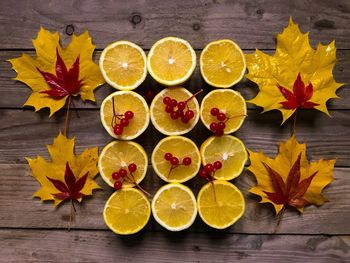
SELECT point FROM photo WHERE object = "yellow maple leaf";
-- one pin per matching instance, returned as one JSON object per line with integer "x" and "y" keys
{"x": 31, "y": 71}
{"x": 289, "y": 179}
{"x": 61, "y": 153}
{"x": 293, "y": 56}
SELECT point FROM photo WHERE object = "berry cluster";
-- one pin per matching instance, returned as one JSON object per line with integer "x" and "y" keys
{"x": 177, "y": 109}
{"x": 175, "y": 161}
{"x": 121, "y": 176}
{"x": 123, "y": 122}
{"x": 208, "y": 171}
{"x": 218, "y": 127}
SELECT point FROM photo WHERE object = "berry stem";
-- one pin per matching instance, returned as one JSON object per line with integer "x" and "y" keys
{"x": 194, "y": 95}
{"x": 133, "y": 181}
{"x": 214, "y": 192}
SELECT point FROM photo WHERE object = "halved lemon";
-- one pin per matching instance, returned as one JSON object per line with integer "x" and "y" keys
{"x": 127, "y": 211}
{"x": 171, "y": 61}
{"x": 162, "y": 120}
{"x": 179, "y": 147}
{"x": 117, "y": 104}
{"x": 174, "y": 207}
{"x": 123, "y": 65}
{"x": 229, "y": 102}
{"x": 222, "y": 63}
{"x": 227, "y": 149}
{"x": 220, "y": 204}
{"x": 119, "y": 154}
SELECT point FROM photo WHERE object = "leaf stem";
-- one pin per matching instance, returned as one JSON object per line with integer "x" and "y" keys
{"x": 292, "y": 132}
{"x": 76, "y": 110}
{"x": 280, "y": 216}
{"x": 66, "y": 123}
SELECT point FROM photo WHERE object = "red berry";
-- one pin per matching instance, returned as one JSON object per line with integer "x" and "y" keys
{"x": 209, "y": 168}
{"x": 118, "y": 129}
{"x": 118, "y": 185}
{"x": 168, "y": 156}
{"x": 187, "y": 161}
{"x": 221, "y": 125}
{"x": 189, "y": 114}
{"x": 129, "y": 114}
{"x": 184, "y": 119}
{"x": 167, "y": 100}
{"x": 124, "y": 122}
{"x": 217, "y": 165}
{"x": 181, "y": 105}
{"x": 214, "y": 111}
{"x": 123, "y": 172}
{"x": 132, "y": 167}
{"x": 174, "y": 161}
{"x": 203, "y": 173}
{"x": 174, "y": 115}
{"x": 115, "y": 175}
{"x": 221, "y": 116}
{"x": 219, "y": 132}
{"x": 173, "y": 103}
{"x": 180, "y": 113}
{"x": 169, "y": 109}
{"x": 213, "y": 126}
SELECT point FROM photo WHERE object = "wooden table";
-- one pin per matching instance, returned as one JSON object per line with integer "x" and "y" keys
{"x": 36, "y": 232}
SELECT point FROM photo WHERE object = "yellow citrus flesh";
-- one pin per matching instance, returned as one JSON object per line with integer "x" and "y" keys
{"x": 227, "y": 101}
{"x": 222, "y": 63}
{"x": 119, "y": 154}
{"x": 227, "y": 149}
{"x": 162, "y": 120}
{"x": 179, "y": 147}
{"x": 171, "y": 61}
{"x": 174, "y": 207}
{"x": 220, "y": 204}
{"x": 127, "y": 211}
{"x": 125, "y": 101}
{"x": 123, "y": 65}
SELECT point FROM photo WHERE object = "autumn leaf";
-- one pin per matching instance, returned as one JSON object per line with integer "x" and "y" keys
{"x": 295, "y": 76}
{"x": 62, "y": 156}
{"x": 57, "y": 73}
{"x": 290, "y": 180}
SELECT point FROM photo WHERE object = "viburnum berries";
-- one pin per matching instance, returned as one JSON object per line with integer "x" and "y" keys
{"x": 175, "y": 162}
{"x": 179, "y": 110}
{"x": 218, "y": 127}
{"x": 122, "y": 175}
{"x": 208, "y": 171}
{"x": 119, "y": 121}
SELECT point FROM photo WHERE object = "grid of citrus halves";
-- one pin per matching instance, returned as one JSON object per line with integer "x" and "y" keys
{"x": 174, "y": 111}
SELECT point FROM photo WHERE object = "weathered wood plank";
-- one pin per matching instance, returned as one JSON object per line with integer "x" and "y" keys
{"x": 13, "y": 94}
{"x": 251, "y": 24}
{"x": 102, "y": 246}
{"x": 25, "y": 133}
{"x": 18, "y": 210}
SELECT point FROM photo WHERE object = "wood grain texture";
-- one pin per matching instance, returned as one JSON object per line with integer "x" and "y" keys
{"x": 14, "y": 94}
{"x": 25, "y": 133}
{"x": 19, "y": 210}
{"x": 251, "y": 24}
{"x": 102, "y": 246}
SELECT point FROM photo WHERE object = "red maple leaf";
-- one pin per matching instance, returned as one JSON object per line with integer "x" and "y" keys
{"x": 70, "y": 190}
{"x": 292, "y": 192}
{"x": 300, "y": 97}
{"x": 66, "y": 82}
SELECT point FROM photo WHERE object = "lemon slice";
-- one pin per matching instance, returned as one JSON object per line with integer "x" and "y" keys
{"x": 123, "y": 65}
{"x": 162, "y": 120}
{"x": 119, "y": 154}
{"x": 171, "y": 61}
{"x": 127, "y": 211}
{"x": 180, "y": 148}
{"x": 227, "y": 101}
{"x": 174, "y": 207}
{"x": 220, "y": 204}
{"x": 227, "y": 149}
{"x": 125, "y": 101}
{"x": 222, "y": 63}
